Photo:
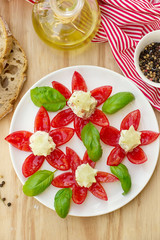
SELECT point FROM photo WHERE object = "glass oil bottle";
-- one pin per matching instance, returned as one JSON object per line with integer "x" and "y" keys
{"x": 66, "y": 23}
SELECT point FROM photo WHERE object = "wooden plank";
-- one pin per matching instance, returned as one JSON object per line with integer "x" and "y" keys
{"x": 27, "y": 219}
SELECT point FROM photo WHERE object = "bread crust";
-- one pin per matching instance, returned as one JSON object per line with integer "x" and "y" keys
{"x": 12, "y": 78}
{"x": 7, "y": 38}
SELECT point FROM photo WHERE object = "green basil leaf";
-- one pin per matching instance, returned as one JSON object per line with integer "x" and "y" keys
{"x": 117, "y": 102}
{"x": 62, "y": 202}
{"x": 38, "y": 182}
{"x": 48, "y": 97}
{"x": 91, "y": 140}
{"x": 122, "y": 173}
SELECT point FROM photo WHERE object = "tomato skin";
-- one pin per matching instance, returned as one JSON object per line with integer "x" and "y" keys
{"x": 148, "y": 137}
{"x": 78, "y": 82}
{"x": 63, "y": 180}
{"x": 32, "y": 164}
{"x": 98, "y": 191}
{"x": 99, "y": 118}
{"x": 63, "y": 118}
{"x": 137, "y": 156}
{"x": 73, "y": 159}
{"x": 20, "y": 140}
{"x": 101, "y": 94}
{"x": 133, "y": 118}
{"x": 105, "y": 177}
{"x": 110, "y": 135}
{"x": 58, "y": 160}
{"x": 62, "y": 89}
{"x": 62, "y": 135}
{"x": 86, "y": 160}
{"x": 116, "y": 156}
{"x": 79, "y": 194}
{"x": 79, "y": 123}
{"x": 42, "y": 121}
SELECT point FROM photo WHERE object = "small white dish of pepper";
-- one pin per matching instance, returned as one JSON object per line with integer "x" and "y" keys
{"x": 147, "y": 58}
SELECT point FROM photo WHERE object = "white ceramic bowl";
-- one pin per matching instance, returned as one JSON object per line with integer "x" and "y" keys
{"x": 147, "y": 39}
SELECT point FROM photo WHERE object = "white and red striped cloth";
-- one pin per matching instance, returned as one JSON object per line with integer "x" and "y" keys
{"x": 123, "y": 24}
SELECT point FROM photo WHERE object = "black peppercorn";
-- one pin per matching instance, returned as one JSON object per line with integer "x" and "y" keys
{"x": 9, "y": 204}
{"x": 3, "y": 182}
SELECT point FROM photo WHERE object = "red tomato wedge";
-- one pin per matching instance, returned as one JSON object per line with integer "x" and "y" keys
{"x": 20, "y": 140}
{"x": 116, "y": 156}
{"x": 101, "y": 94}
{"x": 79, "y": 123}
{"x": 99, "y": 118}
{"x": 148, "y": 137}
{"x": 110, "y": 135}
{"x": 133, "y": 118}
{"x": 42, "y": 121}
{"x": 63, "y": 118}
{"x": 105, "y": 177}
{"x": 78, "y": 83}
{"x": 137, "y": 156}
{"x": 98, "y": 191}
{"x": 73, "y": 159}
{"x": 62, "y": 135}
{"x": 32, "y": 164}
{"x": 62, "y": 89}
{"x": 58, "y": 160}
{"x": 63, "y": 180}
{"x": 78, "y": 194}
{"x": 86, "y": 160}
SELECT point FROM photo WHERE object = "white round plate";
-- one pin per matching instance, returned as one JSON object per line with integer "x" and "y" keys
{"x": 26, "y": 111}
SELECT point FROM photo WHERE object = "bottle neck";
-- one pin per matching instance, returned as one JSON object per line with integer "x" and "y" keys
{"x": 66, "y": 9}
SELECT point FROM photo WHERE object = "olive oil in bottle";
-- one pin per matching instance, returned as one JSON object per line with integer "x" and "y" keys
{"x": 66, "y": 23}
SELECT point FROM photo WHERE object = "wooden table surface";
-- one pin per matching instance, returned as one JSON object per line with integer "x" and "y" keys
{"x": 27, "y": 219}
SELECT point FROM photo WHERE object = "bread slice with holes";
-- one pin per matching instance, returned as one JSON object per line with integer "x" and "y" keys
{"x": 12, "y": 78}
{"x": 5, "y": 42}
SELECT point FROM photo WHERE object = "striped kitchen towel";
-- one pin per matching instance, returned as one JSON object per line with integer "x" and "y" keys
{"x": 123, "y": 24}
{"x": 31, "y": 1}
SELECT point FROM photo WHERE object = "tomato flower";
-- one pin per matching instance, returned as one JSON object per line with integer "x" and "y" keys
{"x": 56, "y": 158}
{"x": 68, "y": 179}
{"x": 66, "y": 116}
{"x": 111, "y": 136}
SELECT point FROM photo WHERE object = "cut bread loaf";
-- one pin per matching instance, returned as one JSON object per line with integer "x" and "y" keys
{"x": 5, "y": 42}
{"x": 12, "y": 78}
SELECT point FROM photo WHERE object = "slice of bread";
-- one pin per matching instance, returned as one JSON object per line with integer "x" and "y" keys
{"x": 12, "y": 78}
{"x": 5, "y": 42}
